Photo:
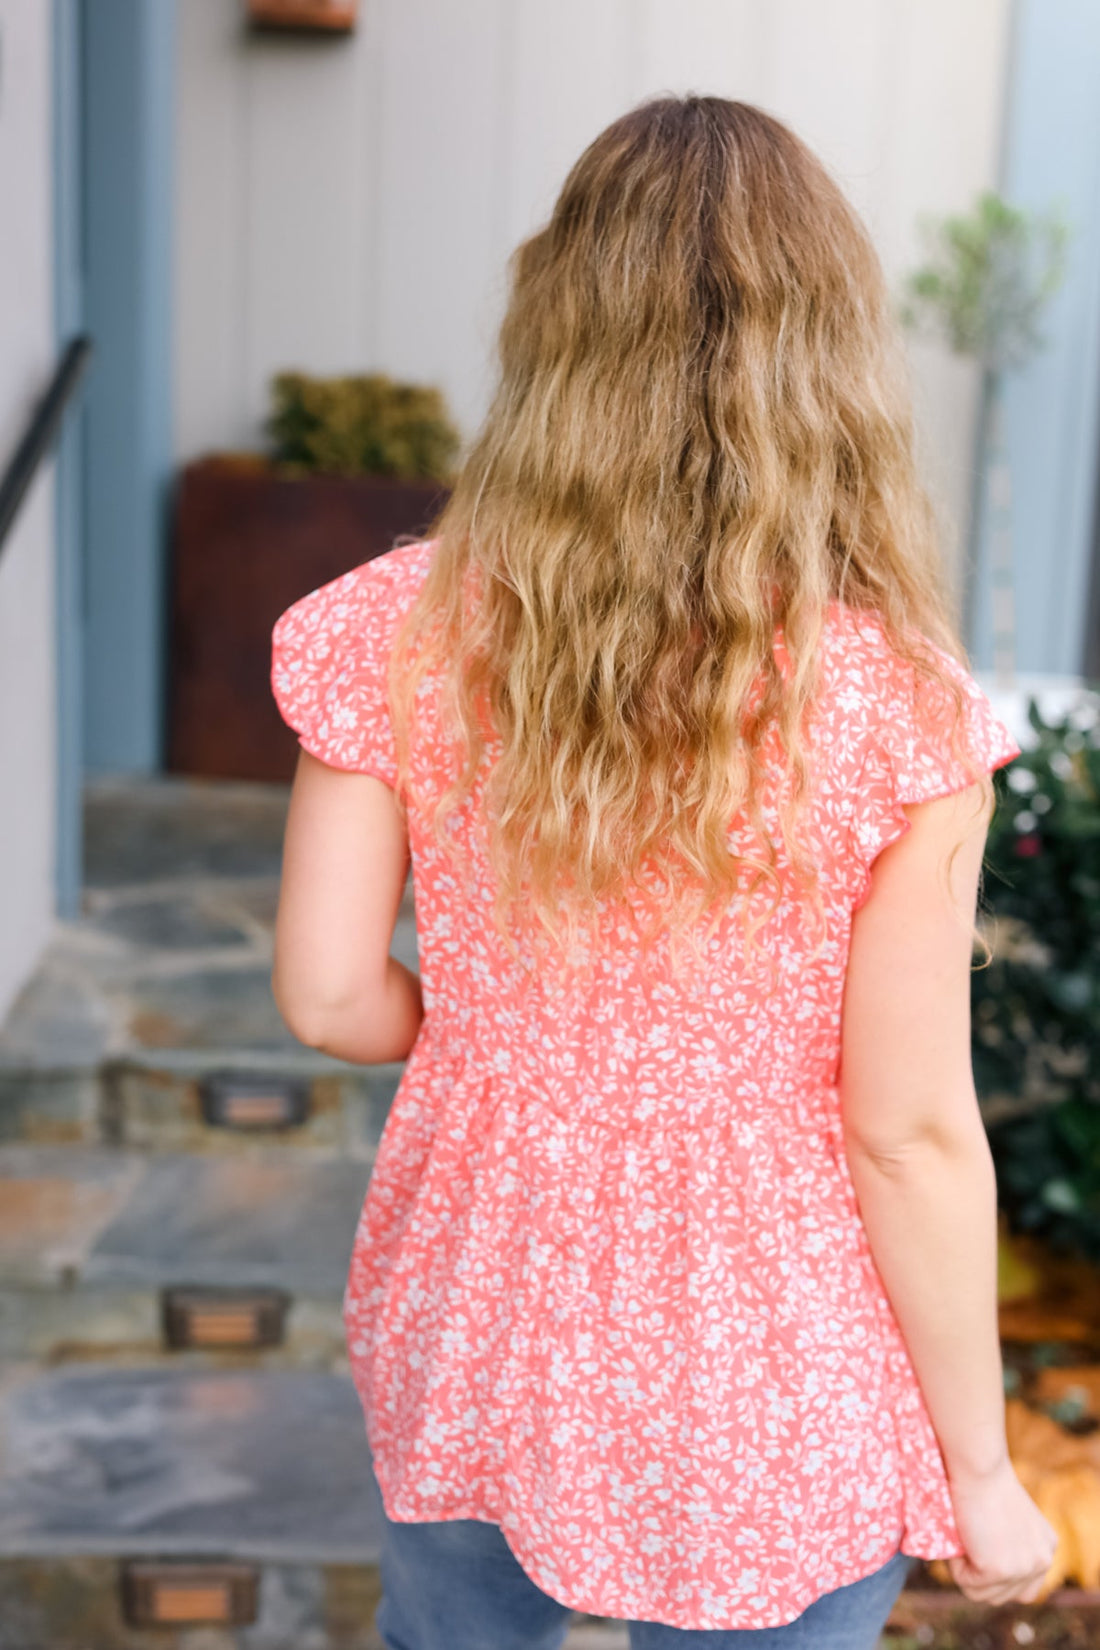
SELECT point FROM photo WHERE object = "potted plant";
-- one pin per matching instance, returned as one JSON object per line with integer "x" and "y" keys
{"x": 356, "y": 464}
{"x": 990, "y": 276}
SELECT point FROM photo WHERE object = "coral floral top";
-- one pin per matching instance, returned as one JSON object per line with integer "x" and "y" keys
{"x": 610, "y": 1289}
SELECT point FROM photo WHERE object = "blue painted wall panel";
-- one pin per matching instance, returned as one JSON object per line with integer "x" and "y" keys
{"x": 128, "y": 85}
{"x": 1052, "y": 158}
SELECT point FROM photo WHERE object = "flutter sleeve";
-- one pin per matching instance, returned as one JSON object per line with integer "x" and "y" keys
{"x": 329, "y": 661}
{"x": 909, "y": 755}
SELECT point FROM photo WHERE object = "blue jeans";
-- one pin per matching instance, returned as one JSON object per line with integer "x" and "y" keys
{"x": 456, "y": 1585}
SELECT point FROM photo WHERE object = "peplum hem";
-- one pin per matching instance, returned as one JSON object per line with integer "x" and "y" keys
{"x": 501, "y": 1405}
{"x": 610, "y": 1598}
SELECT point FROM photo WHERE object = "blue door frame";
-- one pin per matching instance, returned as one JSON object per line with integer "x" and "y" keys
{"x": 128, "y": 86}
{"x": 68, "y": 486}
{"x": 113, "y": 128}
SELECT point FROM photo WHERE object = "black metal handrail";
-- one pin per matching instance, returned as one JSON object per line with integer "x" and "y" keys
{"x": 42, "y": 426}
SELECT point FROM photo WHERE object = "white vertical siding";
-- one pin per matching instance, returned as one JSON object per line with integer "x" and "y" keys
{"x": 440, "y": 77}
{"x": 352, "y": 205}
{"x": 27, "y": 686}
{"x": 571, "y": 72}
{"x": 211, "y": 300}
{"x": 720, "y": 46}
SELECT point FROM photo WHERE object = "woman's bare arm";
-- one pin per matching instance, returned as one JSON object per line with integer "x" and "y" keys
{"x": 916, "y": 1145}
{"x": 345, "y": 863}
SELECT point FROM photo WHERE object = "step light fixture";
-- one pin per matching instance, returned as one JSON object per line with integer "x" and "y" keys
{"x": 242, "y": 1100}
{"x": 221, "y": 1316}
{"x": 214, "y": 1593}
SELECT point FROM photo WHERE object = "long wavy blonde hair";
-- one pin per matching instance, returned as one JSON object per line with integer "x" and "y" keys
{"x": 701, "y": 432}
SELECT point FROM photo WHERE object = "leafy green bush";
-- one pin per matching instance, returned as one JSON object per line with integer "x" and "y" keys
{"x": 1036, "y": 1007}
{"x": 365, "y": 425}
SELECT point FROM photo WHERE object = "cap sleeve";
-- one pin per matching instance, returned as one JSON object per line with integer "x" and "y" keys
{"x": 329, "y": 662}
{"x": 909, "y": 754}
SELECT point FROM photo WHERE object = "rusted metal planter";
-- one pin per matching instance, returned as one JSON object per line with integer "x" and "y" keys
{"x": 247, "y": 542}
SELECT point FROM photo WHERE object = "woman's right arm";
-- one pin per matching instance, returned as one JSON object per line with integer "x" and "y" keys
{"x": 920, "y": 1163}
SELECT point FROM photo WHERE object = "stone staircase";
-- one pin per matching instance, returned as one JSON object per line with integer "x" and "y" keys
{"x": 183, "y": 1463}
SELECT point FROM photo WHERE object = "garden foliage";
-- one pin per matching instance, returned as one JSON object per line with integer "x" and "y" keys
{"x": 1036, "y": 1006}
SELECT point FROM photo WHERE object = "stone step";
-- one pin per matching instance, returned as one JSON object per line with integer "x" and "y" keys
{"x": 104, "y": 1466}
{"x": 73, "y": 1603}
{"x": 89, "y": 1236}
{"x": 101, "y": 1467}
{"x": 155, "y": 1102}
{"x": 112, "y": 1038}
{"x": 164, "y": 980}
{"x": 242, "y": 1463}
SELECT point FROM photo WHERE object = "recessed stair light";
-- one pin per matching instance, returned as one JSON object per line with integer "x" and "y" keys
{"x": 197, "y": 1316}
{"x": 213, "y": 1593}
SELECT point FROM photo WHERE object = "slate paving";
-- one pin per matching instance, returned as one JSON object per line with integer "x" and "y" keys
{"x": 56, "y": 1200}
{"x": 70, "y": 1214}
{"x": 113, "y": 1185}
{"x": 242, "y": 1463}
{"x": 172, "y": 951}
{"x": 166, "y": 976}
{"x": 266, "y": 1218}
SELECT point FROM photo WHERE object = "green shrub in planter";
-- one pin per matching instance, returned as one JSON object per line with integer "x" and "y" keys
{"x": 366, "y": 425}
{"x": 1036, "y": 1007}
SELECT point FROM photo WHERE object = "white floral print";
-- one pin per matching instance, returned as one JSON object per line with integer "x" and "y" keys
{"x": 610, "y": 1288}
